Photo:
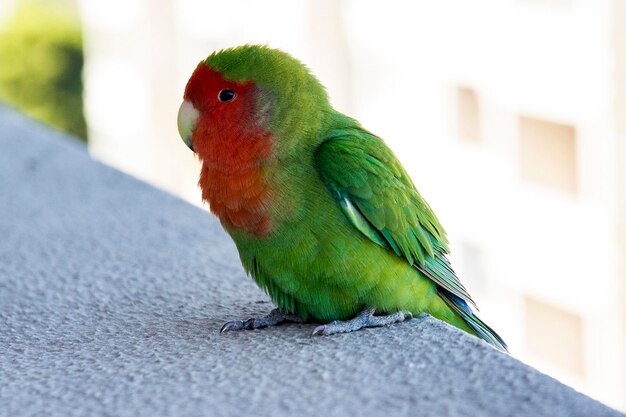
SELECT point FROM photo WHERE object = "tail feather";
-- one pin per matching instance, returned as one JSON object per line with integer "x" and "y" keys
{"x": 479, "y": 327}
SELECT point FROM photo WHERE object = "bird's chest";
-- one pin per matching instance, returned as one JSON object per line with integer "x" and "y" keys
{"x": 239, "y": 198}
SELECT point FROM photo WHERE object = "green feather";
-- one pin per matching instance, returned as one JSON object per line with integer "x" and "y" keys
{"x": 476, "y": 324}
{"x": 360, "y": 222}
{"x": 395, "y": 208}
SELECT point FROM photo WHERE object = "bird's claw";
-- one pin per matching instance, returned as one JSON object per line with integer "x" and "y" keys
{"x": 365, "y": 318}
{"x": 319, "y": 330}
{"x": 236, "y": 325}
{"x": 231, "y": 325}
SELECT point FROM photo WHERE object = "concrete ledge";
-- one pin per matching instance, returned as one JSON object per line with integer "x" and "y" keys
{"x": 112, "y": 294}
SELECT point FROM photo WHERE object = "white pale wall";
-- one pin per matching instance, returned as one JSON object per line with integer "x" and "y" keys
{"x": 619, "y": 116}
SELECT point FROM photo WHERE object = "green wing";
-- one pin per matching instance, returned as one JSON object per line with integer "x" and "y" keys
{"x": 379, "y": 198}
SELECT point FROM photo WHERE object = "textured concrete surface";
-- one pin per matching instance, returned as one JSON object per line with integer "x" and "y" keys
{"x": 112, "y": 294}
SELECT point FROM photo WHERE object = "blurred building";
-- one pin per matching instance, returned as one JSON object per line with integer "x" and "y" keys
{"x": 510, "y": 116}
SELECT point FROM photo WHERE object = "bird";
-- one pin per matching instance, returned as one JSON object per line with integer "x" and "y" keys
{"x": 325, "y": 218}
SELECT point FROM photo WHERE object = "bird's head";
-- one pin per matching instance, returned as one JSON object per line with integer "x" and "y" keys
{"x": 241, "y": 96}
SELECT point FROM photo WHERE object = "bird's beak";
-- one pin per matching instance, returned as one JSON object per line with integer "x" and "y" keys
{"x": 187, "y": 118}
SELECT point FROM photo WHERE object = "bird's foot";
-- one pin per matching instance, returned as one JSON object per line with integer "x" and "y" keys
{"x": 365, "y": 318}
{"x": 272, "y": 319}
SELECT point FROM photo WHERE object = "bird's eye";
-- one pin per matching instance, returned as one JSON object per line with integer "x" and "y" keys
{"x": 226, "y": 95}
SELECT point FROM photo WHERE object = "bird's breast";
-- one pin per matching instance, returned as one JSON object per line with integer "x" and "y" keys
{"x": 233, "y": 181}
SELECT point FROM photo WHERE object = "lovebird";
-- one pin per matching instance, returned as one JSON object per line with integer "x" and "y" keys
{"x": 325, "y": 218}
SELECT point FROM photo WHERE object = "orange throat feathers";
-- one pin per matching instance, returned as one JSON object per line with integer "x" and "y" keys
{"x": 237, "y": 193}
{"x": 233, "y": 145}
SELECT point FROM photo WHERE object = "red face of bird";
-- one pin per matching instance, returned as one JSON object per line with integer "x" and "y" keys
{"x": 248, "y": 103}
{"x": 216, "y": 109}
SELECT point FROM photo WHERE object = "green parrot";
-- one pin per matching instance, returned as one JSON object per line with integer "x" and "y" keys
{"x": 325, "y": 218}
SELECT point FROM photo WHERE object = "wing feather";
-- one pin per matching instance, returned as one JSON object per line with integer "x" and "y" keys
{"x": 376, "y": 194}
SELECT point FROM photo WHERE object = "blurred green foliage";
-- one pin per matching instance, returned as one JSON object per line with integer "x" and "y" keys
{"x": 41, "y": 56}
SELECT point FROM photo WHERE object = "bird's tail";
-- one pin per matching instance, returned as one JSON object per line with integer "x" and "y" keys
{"x": 470, "y": 320}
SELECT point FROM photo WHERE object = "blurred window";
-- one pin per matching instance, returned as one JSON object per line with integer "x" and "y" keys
{"x": 554, "y": 335}
{"x": 547, "y": 153}
{"x": 468, "y": 115}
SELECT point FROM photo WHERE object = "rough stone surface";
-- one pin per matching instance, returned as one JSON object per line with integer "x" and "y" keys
{"x": 112, "y": 294}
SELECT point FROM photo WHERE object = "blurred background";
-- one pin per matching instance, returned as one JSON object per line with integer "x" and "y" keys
{"x": 510, "y": 116}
